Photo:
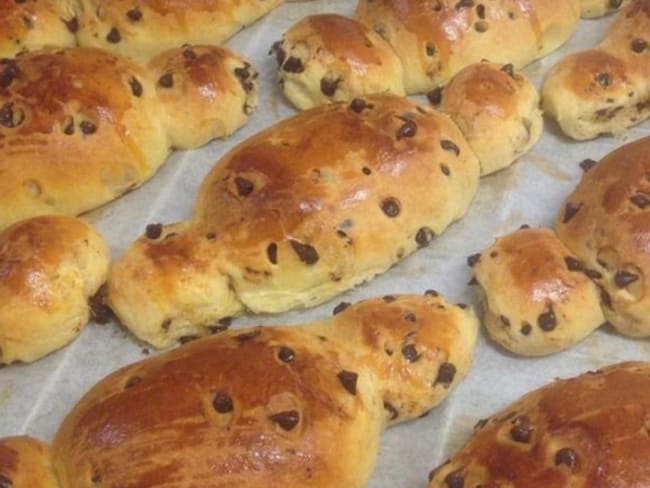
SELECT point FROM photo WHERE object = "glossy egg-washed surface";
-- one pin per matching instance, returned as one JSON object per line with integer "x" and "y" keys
{"x": 436, "y": 38}
{"x": 298, "y": 213}
{"x": 26, "y": 463}
{"x": 269, "y": 406}
{"x": 585, "y": 432}
{"x": 606, "y": 223}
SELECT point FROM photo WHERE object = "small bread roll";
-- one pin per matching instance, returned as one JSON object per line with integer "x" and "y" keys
{"x": 536, "y": 298}
{"x": 604, "y": 90}
{"x": 606, "y": 223}
{"x": 26, "y": 463}
{"x": 143, "y": 29}
{"x": 437, "y": 38}
{"x": 585, "y": 432}
{"x": 28, "y": 25}
{"x": 497, "y": 111}
{"x": 597, "y": 8}
{"x": 49, "y": 267}
{"x": 81, "y": 126}
{"x": 269, "y": 406}
{"x": 327, "y": 58}
{"x": 298, "y": 213}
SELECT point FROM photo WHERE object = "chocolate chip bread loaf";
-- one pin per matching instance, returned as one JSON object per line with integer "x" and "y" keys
{"x": 84, "y": 115}
{"x": 585, "y": 432}
{"x": 604, "y": 90}
{"x": 49, "y": 268}
{"x": 267, "y": 406}
{"x": 298, "y": 213}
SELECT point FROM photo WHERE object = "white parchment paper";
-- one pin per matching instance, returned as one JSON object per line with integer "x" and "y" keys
{"x": 35, "y": 398}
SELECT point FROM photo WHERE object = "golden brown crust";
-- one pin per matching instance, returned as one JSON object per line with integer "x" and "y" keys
{"x": 49, "y": 267}
{"x": 586, "y": 432}
{"x": 606, "y": 223}
{"x": 537, "y": 299}
{"x": 606, "y": 89}
{"x": 26, "y": 463}
{"x": 298, "y": 213}
{"x": 269, "y": 406}
{"x": 437, "y": 38}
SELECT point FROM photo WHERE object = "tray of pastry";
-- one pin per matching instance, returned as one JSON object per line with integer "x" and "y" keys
{"x": 454, "y": 249}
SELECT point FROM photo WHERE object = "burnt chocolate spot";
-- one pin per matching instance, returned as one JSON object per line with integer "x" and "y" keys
{"x": 450, "y": 146}
{"x": 293, "y": 65}
{"x": 625, "y": 278}
{"x": 359, "y": 104}
{"x": 272, "y": 253}
{"x": 639, "y": 45}
{"x": 136, "y": 86}
{"x": 587, "y": 164}
{"x": 522, "y": 431}
{"x": 132, "y": 381}
{"x": 446, "y": 374}
{"x": 640, "y": 200}
{"x": 286, "y": 420}
{"x": 72, "y": 24}
{"x": 114, "y": 36}
{"x": 526, "y": 328}
{"x": 286, "y": 354}
{"x": 408, "y": 129}
{"x": 166, "y": 80}
{"x": 393, "y": 413}
{"x": 573, "y": 264}
{"x": 222, "y": 402}
{"x": 340, "y": 307}
{"x": 348, "y": 380}
{"x": 410, "y": 353}
{"x": 547, "y": 321}
{"x": 603, "y": 79}
{"x": 570, "y": 210}
{"x": 391, "y": 207}
{"x": 87, "y": 127}
{"x": 435, "y": 96}
{"x": 568, "y": 457}
{"x": 328, "y": 87}
{"x": 244, "y": 187}
{"x": 455, "y": 479}
{"x": 153, "y": 231}
{"x": 306, "y": 253}
{"x": 134, "y": 14}
{"x": 473, "y": 259}
{"x": 424, "y": 236}
{"x": 445, "y": 169}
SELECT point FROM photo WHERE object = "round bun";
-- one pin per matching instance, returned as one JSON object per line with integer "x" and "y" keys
{"x": 497, "y": 110}
{"x": 436, "y": 39}
{"x": 606, "y": 224}
{"x": 26, "y": 463}
{"x": 330, "y": 58}
{"x": 604, "y": 90}
{"x": 49, "y": 267}
{"x": 270, "y": 406}
{"x": 536, "y": 298}
{"x": 587, "y": 431}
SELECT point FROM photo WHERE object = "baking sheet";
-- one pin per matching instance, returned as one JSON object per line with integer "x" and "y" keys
{"x": 35, "y": 398}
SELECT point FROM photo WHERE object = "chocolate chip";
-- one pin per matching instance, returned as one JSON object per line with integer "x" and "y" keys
{"x": 424, "y": 236}
{"x": 446, "y": 374}
{"x": 526, "y": 328}
{"x": 435, "y": 96}
{"x": 9, "y": 117}
{"x": 96, "y": 477}
{"x": 135, "y": 14}
{"x": 244, "y": 187}
{"x": 293, "y": 65}
{"x": 473, "y": 259}
{"x": 132, "y": 381}
{"x": 306, "y": 253}
{"x": 640, "y": 200}
{"x": 639, "y": 45}
{"x": 392, "y": 411}
{"x": 388, "y": 298}
{"x": 408, "y": 129}
{"x": 430, "y": 49}
{"x": 509, "y": 69}
{"x": 570, "y": 210}
{"x": 359, "y": 104}
{"x": 187, "y": 338}
{"x": 568, "y": 457}
{"x": 464, "y": 4}
{"x": 247, "y": 336}
{"x": 348, "y": 380}
{"x": 68, "y": 129}
{"x": 521, "y": 432}
{"x": 410, "y": 317}
{"x": 431, "y": 293}
{"x": 100, "y": 313}
{"x": 480, "y": 11}
{"x": 587, "y": 164}
{"x": 286, "y": 354}
{"x": 547, "y": 321}
{"x": 572, "y": 263}
{"x": 272, "y": 253}
{"x": 494, "y": 254}
{"x": 72, "y": 24}
{"x": 603, "y": 79}
{"x": 166, "y": 324}
{"x": 481, "y": 26}
{"x": 114, "y": 36}
{"x": 593, "y": 274}
{"x": 153, "y": 231}
{"x": 505, "y": 320}
{"x": 211, "y": 236}
{"x": 625, "y": 278}
{"x": 455, "y": 479}
{"x": 286, "y": 420}
{"x": 462, "y": 306}
{"x": 222, "y": 402}
{"x": 166, "y": 80}
{"x": 328, "y": 87}
{"x": 340, "y": 307}
{"x": 280, "y": 55}
{"x": 391, "y": 207}
{"x": 9, "y": 73}
{"x": 87, "y": 127}
{"x": 450, "y": 146}
{"x": 366, "y": 171}
{"x": 136, "y": 86}
{"x": 190, "y": 55}
{"x": 410, "y": 353}
{"x": 445, "y": 169}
